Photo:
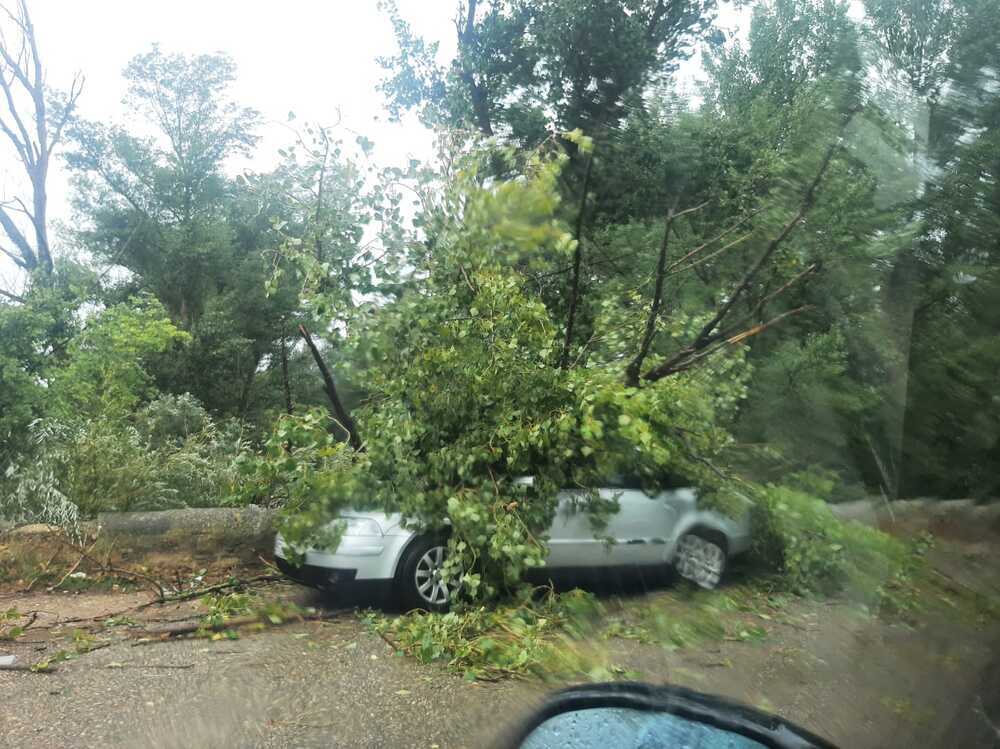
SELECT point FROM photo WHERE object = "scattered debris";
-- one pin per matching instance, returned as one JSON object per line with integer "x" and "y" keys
{"x": 178, "y": 629}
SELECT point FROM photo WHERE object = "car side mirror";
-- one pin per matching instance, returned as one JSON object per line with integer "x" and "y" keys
{"x": 641, "y": 716}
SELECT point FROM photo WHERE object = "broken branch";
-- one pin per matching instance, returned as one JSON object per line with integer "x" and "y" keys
{"x": 632, "y": 371}
{"x": 331, "y": 391}
{"x": 710, "y": 334}
{"x": 574, "y": 292}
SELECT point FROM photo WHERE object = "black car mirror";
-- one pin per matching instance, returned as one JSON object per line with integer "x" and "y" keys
{"x": 641, "y": 716}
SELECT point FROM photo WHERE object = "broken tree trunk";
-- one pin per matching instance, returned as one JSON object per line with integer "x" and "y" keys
{"x": 343, "y": 418}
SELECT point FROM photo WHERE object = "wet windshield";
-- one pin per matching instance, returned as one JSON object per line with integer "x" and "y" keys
{"x": 369, "y": 371}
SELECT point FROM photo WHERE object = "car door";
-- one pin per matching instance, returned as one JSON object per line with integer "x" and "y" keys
{"x": 639, "y": 530}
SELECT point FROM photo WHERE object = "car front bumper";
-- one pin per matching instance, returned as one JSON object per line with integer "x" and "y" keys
{"x": 357, "y": 560}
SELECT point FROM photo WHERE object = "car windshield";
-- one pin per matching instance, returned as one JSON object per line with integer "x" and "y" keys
{"x": 369, "y": 371}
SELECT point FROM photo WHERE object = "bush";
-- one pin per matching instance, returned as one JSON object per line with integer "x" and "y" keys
{"x": 75, "y": 469}
{"x": 172, "y": 419}
{"x": 797, "y": 537}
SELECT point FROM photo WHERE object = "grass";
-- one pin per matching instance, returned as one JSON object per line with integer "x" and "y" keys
{"x": 562, "y": 636}
{"x": 690, "y": 617}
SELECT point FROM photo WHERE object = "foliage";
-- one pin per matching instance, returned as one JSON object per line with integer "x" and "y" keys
{"x": 223, "y": 608}
{"x": 11, "y": 632}
{"x": 797, "y": 536}
{"x": 542, "y": 638}
{"x": 80, "y": 467}
{"x": 163, "y": 208}
{"x": 300, "y": 466}
{"x": 107, "y": 368}
{"x": 525, "y": 68}
{"x": 34, "y": 337}
{"x": 690, "y": 616}
{"x": 463, "y": 397}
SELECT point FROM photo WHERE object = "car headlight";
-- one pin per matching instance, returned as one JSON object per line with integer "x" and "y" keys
{"x": 361, "y": 527}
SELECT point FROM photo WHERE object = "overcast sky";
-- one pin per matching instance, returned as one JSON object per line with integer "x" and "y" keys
{"x": 301, "y": 55}
{"x": 307, "y": 56}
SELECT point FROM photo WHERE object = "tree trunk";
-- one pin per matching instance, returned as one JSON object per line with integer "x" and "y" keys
{"x": 286, "y": 386}
{"x": 247, "y": 385}
{"x": 344, "y": 418}
{"x": 574, "y": 292}
{"x": 634, "y": 367}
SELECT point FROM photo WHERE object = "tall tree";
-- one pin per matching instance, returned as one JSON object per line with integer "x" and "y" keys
{"x": 921, "y": 42}
{"x": 161, "y": 207}
{"x": 33, "y": 123}
{"x": 524, "y": 69}
{"x": 155, "y": 204}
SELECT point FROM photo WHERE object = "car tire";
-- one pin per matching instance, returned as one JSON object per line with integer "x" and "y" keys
{"x": 417, "y": 583}
{"x": 701, "y": 557}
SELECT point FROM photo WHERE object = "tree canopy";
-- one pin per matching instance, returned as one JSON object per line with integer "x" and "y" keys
{"x": 786, "y": 283}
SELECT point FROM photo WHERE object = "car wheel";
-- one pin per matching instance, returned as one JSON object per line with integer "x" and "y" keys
{"x": 419, "y": 582}
{"x": 700, "y": 558}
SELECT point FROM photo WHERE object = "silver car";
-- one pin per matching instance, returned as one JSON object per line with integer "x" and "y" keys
{"x": 649, "y": 530}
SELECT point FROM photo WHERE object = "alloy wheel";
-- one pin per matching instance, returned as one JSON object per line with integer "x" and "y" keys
{"x": 427, "y": 577}
{"x": 700, "y": 561}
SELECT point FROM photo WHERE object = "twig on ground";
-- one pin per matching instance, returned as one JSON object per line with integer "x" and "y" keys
{"x": 269, "y": 565}
{"x": 72, "y": 569}
{"x": 234, "y": 583}
{"x": 389, "y": 641}
{"x": 29, "y": 669}
{"x": 165, "y": 633}
{"x": 45, "y": 568}
{"x": 106, "y": 568}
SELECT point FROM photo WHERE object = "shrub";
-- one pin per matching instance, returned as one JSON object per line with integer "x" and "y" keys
{"x": 75, "y": 469}
{"x": 797, "y": 537}
{"x": 172, "y": 419}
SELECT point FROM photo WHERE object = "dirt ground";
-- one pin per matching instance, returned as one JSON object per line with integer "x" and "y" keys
{"x": 927, "y": 679}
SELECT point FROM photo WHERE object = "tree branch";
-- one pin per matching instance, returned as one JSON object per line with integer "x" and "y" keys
{"x": 696, "y": 355}
{"x": 712, "y": 241}
{"x": 331, "y": 391}
{"x": 574, "y": 294}
{"x": 632, "y": 371}
{"x": 285, "y": 385}
{"x": 28, "y": 154}
{"x": 19, "y": 261}
{"x": 466, "y": 39}
{"x": 807, "y": 202}
{"x": 673, "y": 269}
{"x": 76, "y": 88}
{"x": 709, "y": 334}
{"x": 10, "y": 228}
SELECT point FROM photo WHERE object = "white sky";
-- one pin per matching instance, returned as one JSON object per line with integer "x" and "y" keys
{"x": 308, "y": 56}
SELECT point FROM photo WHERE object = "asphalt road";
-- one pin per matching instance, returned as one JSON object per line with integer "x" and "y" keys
{"x": 317, "y": 684}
